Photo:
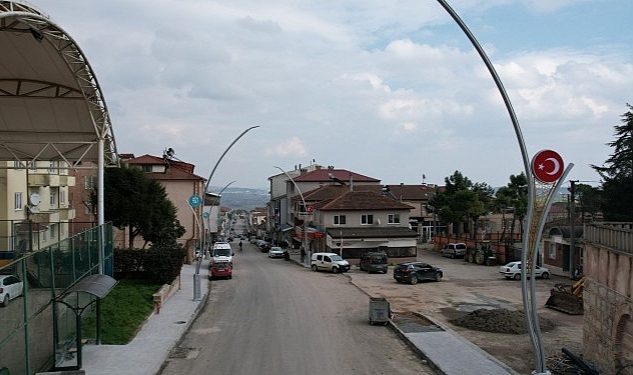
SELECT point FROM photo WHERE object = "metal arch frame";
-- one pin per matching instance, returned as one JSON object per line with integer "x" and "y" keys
{"x": 78, "y": 64}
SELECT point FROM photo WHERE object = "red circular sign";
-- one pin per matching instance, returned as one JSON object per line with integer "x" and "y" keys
{"x": 547, "y": 166}
{"x": 310, "y": 209}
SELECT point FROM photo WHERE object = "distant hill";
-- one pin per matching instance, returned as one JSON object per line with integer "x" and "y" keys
{"x": 242, "y": 198}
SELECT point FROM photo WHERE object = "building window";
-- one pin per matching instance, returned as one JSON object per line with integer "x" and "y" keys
{"x": 393, "y": 219}
{"x": 17, "y": 164}
{"x": 18, "y": 201}
{"x": 53, "y": 198}
{"x": 53, "y": 230}
{"x": 146, "y": 168}
{"x": 62, "y": 197}
{"x": 51, "y": 167}
{"x": 339, "y": 219}
{"x": 552, "y": 251}
{"x": 366, "y": 219}
{"x": 89, "y": 182}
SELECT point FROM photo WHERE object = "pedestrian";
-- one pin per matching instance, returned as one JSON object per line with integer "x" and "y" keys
{"x": 303, "y": 254}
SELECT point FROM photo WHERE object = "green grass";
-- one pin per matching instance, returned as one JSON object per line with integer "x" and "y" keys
{"x": 123, "y": 312}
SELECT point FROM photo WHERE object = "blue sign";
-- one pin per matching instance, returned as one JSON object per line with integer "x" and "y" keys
{"x": 205, "y": 215}
{"x": 195, "y": 200}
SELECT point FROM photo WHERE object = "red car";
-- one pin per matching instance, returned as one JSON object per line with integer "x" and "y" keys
{"x": 220, "y": 270}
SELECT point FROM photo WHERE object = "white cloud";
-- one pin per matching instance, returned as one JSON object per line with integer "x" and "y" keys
{"x": 291, "y": 147}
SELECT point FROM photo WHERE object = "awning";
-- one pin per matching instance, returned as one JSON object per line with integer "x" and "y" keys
{"x": 286, "y": 227}
{"x": 97, "y": 285}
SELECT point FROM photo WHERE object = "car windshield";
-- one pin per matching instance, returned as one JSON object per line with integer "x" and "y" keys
{"x": 336, "y": 258}
{"x": 221, "y": 264}
{"x": 275, "y": 249}
{"x": 222, "y": 252}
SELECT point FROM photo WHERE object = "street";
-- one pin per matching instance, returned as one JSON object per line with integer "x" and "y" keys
{"x": 275, "y": 317}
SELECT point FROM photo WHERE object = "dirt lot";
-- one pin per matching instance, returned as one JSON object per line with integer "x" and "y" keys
{"x": 467, "y": 288}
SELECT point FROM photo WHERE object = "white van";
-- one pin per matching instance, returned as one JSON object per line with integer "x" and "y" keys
{"x": 329, "y": 262}
{"x": 222, "y": 252}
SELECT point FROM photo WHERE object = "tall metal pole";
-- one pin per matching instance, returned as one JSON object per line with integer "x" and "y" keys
{"x": 305, "y": 222}
{"x": 196, "y": 276}
{"x": 533, "y": 328}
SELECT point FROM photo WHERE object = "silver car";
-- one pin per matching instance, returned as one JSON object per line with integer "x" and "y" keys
{"x": 276, "y": 252}
{"x": 454, "y": 250}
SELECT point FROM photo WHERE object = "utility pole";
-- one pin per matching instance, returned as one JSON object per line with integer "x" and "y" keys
{"x": 572, "y": 227}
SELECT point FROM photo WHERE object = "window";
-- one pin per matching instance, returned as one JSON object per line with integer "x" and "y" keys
{"x": 552, "y": 251}
{"x": 53, "y": 230}
{"x": 339, "y": 219}
{"x": 393, "y": 219}
{"x": 17, "y": 164}
{"x": 366, "y": 219}
{"x": 62, "y": 197}
{"x": 89, "y": 182}
{"x": 51, "y": 167}
{"x": 53, "y": 198}
{"x": 18, "y": 201}
{"x": 146, "y": 168}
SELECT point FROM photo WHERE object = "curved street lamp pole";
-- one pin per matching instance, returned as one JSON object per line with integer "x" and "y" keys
{"x": 305, "y": 232}
{"x": 196, "y": 276}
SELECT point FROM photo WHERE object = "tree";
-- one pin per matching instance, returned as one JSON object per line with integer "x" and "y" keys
{"x": 461, "y": 202}
{"x": 139, "y": 203}
{"x": 514, "y": 197}
{"x": 617, "y": 173}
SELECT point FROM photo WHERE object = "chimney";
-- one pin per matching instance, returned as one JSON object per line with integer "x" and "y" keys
{"x": 351, "y": 182}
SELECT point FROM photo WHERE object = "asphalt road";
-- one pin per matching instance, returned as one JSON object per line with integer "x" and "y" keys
{"x": 275, "y": 317}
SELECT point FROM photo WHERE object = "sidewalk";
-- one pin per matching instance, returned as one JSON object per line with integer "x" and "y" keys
{"x": 145, "y": 354}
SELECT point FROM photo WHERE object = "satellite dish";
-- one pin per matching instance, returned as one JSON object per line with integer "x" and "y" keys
{"x": 35, "y": 199}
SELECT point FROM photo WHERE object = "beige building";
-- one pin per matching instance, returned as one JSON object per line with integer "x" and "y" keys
{"x": 181, "y": 183}
{"x": 35, "y": 193}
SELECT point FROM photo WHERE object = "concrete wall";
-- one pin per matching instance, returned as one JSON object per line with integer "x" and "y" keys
{"x": 608, "y": 329}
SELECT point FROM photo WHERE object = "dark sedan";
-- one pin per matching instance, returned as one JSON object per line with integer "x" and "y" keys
{"x": 412, "y": 272}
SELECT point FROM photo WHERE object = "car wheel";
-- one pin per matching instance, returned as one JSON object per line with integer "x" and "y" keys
{"x": 438, "y": 277}
{"x": 414, "y": 280}
{"x": 5, "y": 302}
{"x": 452, "y": 256}
{"x": 314, "y": 267}
{"x": 517, "y": 276}
{"x": 335, "y": 270}
{"x": 545, "y": 275}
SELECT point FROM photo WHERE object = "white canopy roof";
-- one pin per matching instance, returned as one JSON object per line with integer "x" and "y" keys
{"x": 51, "y": 106}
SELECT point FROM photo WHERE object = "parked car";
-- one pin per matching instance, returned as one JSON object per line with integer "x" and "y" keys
{"x": 10, "y": 288}
{"x": 329, "y": 262}
{"x": 276, "y": 252}
{"x": 454, "y": 250}
{"x": 222, "y": 269}
{"x": 512, "y": 270}
{"x": 222, "y": 252}
{"x": 412, "y": 272}
{"x": 374, "y": 262}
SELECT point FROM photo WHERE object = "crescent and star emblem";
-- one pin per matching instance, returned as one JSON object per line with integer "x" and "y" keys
{"x": 547, "y": 166}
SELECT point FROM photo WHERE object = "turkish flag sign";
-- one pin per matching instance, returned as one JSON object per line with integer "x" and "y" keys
{"x": 547, "y": 166}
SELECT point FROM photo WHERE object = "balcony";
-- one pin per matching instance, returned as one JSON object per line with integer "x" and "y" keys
{"x": 54, "y": 180}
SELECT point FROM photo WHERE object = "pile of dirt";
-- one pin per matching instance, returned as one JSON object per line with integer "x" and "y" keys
{"x": 499, "y": 321}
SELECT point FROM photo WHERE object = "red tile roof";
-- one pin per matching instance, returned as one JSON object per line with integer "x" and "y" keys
{"x": 175, "y": 169}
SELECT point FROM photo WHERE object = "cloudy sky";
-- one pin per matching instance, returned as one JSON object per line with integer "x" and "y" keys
{"x": 389, "y": 89}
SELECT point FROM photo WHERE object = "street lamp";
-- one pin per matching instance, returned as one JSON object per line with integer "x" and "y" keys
{"x": 196, "y": 276}
{"x": 305, "y": 222}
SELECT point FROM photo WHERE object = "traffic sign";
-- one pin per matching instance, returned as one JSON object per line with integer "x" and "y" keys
{"x": 195, "y": 200}
{"x": 547, "y": 166}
